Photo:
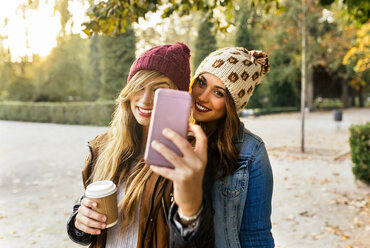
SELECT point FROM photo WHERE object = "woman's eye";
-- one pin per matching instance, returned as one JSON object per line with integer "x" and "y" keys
{"x": 219, "y": 93}
{"x": 159, "y": 88}
{"x": 201, "y": 83}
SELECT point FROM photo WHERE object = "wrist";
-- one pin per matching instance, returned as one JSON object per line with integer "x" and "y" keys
{"x": 190, "y": 209}
{"x": 184, "y": 219}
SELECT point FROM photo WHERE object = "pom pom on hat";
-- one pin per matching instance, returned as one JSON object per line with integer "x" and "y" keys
{"x": 171, "y": 60}
{"x": 239, "y": 69}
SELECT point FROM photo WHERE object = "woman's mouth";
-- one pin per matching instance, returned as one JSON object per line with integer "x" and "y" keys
{"x": 200, "y": 108}
{"x": 144, "y": 111}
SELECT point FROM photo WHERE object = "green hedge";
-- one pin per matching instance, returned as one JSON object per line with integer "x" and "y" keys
{"x": 266, "y": 111}
{"x": 360, "y": 151}
{"x": 83, "y": 113}
{"x": 327, "y": 103}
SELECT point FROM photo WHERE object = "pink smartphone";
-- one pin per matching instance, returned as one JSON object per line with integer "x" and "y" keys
{"x": 171, "y": 110}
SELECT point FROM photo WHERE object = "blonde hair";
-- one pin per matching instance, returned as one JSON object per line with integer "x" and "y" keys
{"x": 122, "y": 148}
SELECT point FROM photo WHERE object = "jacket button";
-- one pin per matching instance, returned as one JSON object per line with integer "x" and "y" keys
{"x": 151, "y": 220}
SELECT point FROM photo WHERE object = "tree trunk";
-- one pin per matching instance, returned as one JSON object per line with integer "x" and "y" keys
{"x": 353, "y": 100}
{"x": 344, "y": 93}
{"x": 360, "y": 97}
{"x": 303, "y": 73}
{"x": 310, "y": 88}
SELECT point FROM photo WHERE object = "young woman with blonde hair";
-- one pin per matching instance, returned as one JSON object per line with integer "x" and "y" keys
{"x": 145, "y": 199}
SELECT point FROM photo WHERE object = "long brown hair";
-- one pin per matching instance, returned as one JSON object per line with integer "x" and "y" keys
{"x": 119, "y": 160}
{"x": 221, "y": 139}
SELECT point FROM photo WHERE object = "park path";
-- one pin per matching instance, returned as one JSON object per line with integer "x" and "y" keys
{"x": 316, "y": 201}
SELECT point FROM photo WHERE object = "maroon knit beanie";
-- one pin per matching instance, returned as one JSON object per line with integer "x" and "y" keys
{"x": 171, "y": 60}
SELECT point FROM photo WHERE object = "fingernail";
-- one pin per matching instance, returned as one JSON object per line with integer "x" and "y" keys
{"x": 104, "y": 218}
{"x": 94, "y": 204}
{"x": 98, "y": 232}
{"x": 103, "y": 226}
{"x": 154, "y": 143}
{"x": 166, "y": 131}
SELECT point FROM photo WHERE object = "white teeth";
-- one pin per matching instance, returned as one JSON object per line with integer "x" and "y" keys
{"x": 201, "y": 107}
{"x": 145, "y": 111}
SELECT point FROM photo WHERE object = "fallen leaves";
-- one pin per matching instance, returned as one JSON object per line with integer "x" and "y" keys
{"x": 345, "y": 237}
{"x": 306, "y": 214}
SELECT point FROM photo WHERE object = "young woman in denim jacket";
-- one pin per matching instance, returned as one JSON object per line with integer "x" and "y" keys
{"x": 238, "y": 178}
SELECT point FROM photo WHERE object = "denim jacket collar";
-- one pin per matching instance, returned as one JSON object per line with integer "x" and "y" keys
{"x": 240, "y": 137}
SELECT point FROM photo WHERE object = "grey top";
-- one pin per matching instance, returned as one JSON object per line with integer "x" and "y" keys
{"x": 114, "y": 236}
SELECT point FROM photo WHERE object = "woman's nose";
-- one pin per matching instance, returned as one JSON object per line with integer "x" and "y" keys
{"x": 203, "y": 96}
{"x": 148, "y": 96}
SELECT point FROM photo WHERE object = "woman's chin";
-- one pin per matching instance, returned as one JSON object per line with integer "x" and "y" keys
{"x": 200, "y": 117}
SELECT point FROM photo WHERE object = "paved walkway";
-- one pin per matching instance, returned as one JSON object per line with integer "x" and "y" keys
{"x": 316, "y": 202}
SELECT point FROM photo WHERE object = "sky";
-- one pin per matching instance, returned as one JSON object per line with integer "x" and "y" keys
{"x": 37, "y": 32}
{"x": 40, "y": 27}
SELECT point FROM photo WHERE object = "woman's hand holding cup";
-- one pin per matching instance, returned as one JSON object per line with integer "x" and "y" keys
{"x": 99, "y": 209}
{"x": 88, "y": 220}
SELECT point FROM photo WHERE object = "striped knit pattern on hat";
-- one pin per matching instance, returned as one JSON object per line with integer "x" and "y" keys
{"x": 171, "y": 60}
{"x": 239, "y": 69}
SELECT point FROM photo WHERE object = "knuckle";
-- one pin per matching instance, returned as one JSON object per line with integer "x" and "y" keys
{"x": 79, "y": 226}
{"x": 157, "y": 145}
{"x": 175, "y": 158}
{"x": 78, "y": 216}
{"x": 102, "y": 218}
{"x": 88, "y": 230}
{"x": 186, "y": 145}
{"x": 85, "y": 201}
{"x": 81, "y": 210}
{"x": 182, "y": 146}
{"x": 77, "y": 223}
{"x": 89, "y": 223}
{"x": 89, "y": 212}
{"x": 170, "y": 133}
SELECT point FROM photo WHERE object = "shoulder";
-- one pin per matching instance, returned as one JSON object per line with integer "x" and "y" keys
{"x": 99, "y": 141}
{"x": 95, "y": 146}
{"x": 248, "y": 143}
{"x": 253, "y": 154}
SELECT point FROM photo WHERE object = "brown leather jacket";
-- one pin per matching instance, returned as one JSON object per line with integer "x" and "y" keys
{"x": 155, "y": 204}
{"x": 154, "y": 229}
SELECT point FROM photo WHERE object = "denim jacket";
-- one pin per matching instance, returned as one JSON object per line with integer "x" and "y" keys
{"x": 242, "y": 200}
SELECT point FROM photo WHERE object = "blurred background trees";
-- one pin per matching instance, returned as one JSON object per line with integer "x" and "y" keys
{"x": 81, "y": 68}
{"x": 205, "y": 42}
{"x": 117, "y": 54}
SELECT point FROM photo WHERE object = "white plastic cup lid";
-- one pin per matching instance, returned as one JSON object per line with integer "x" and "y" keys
{"x": 100, "y": 189}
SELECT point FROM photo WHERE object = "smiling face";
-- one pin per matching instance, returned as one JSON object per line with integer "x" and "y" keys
{"x": 209, "y": 94}
{"x": 141, "y": 102}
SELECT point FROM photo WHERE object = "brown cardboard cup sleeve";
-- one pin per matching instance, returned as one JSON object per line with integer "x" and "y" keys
{"x": 104, "y": 193}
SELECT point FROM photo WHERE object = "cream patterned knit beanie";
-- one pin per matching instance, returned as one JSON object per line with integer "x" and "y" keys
{"x": 239, "y": 69}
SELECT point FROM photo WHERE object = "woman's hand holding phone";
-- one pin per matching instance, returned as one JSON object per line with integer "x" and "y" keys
{"x": 187, "y": 176}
